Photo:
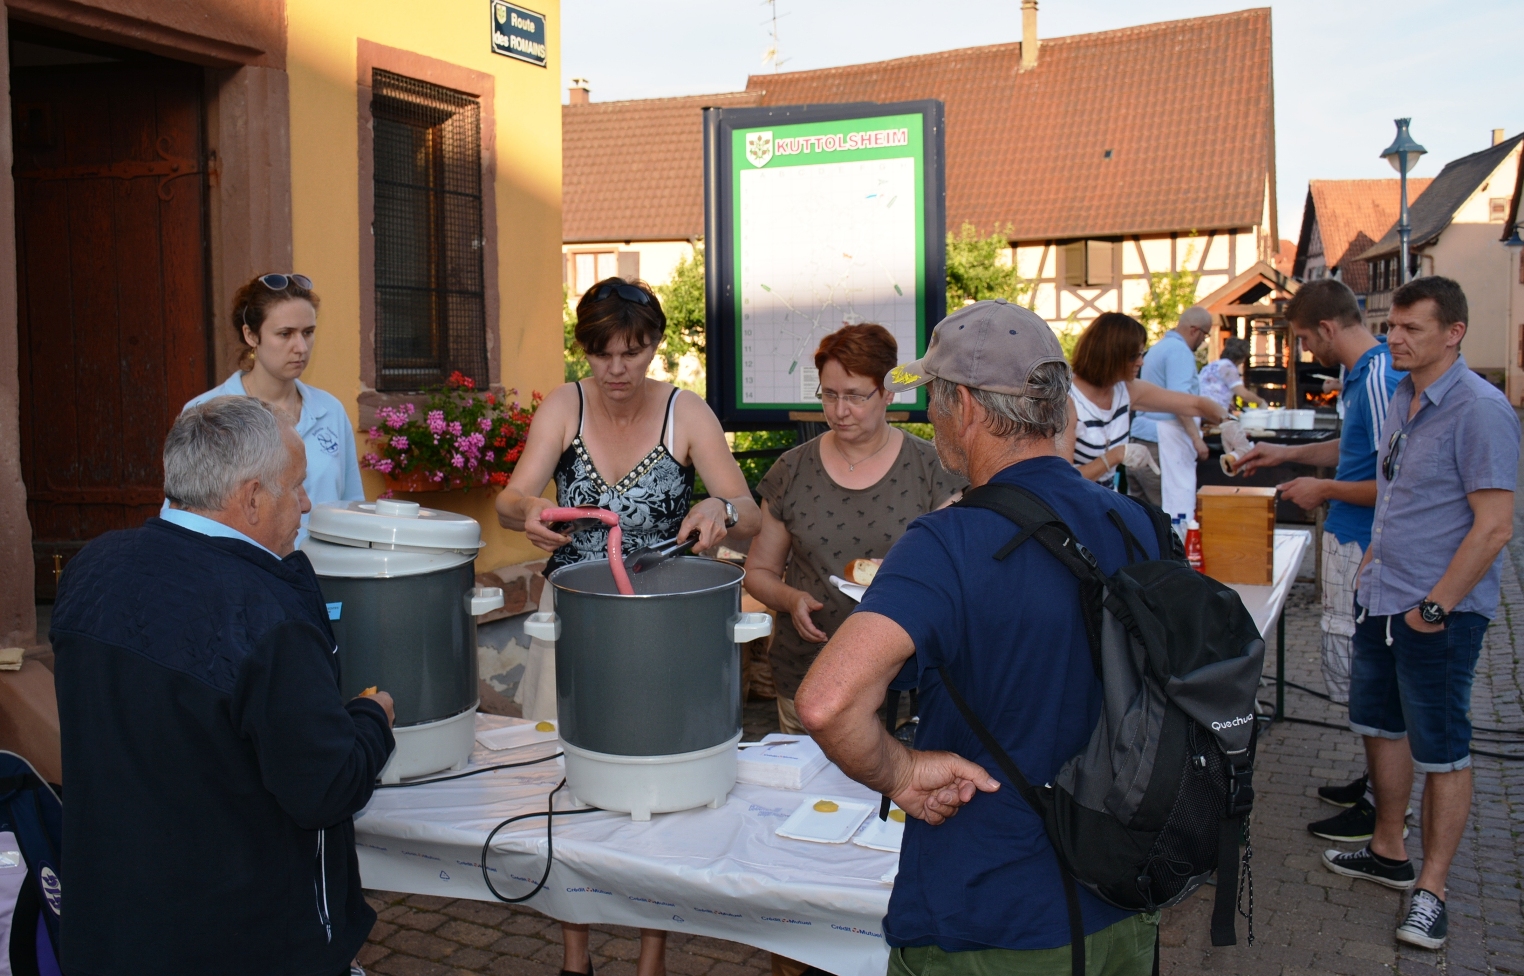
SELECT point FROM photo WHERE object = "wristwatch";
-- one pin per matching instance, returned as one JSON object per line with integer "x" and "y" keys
{"x": 731, "y": 515}
{"x": 1431, "y": 612}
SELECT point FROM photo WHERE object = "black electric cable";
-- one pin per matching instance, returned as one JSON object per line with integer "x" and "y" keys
{"x": 550, "y": 849}
{"x": 469, "y": 772}
{"x": 1477, "y": 728}
{"x": 1344, "y": 728}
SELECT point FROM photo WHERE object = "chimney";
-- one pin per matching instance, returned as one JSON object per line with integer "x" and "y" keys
{"x": 1498, "y": 135}
{"x": 1028, "y": 34}
{"x": 579, "y": 93}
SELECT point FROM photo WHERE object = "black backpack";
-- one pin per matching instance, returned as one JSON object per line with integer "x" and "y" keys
{"x": 31, "y": 835}
{"x": 1157, "y": 800}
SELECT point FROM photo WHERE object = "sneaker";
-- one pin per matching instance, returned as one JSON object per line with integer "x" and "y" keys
{"x": 1355, "y": 824}
{"x": 1347, "y": 795}
{"x": 1426, "y": 923}
{"x": 1363, "y": 864}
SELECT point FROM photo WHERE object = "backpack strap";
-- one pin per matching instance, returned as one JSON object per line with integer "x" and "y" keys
{"x": 1135, "y": 551}
{"x": 1037, "y": 521}
{"x": 1034, "y": 800}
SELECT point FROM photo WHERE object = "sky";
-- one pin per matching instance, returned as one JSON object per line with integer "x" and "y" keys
{"x": 1344, "y": 69}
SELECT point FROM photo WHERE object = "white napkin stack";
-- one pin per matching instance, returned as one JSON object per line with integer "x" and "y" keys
{"x": 789, "y": 765}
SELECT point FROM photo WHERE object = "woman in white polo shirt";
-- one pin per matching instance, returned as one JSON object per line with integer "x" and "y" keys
{"x": 275, "y": 316}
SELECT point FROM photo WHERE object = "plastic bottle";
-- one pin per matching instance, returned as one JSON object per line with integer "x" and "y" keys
{"x": 1193, "y": 545}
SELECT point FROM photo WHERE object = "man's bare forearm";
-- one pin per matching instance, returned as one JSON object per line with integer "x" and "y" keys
{"x": 871, "y": 756}
{"x": 1324, "y": 454}
{"x": 1490, "y": 531}
{"x": 1362, "y": 493}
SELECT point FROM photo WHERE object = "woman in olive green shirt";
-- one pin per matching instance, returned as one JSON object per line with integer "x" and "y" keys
{"x": 848, "y": 494}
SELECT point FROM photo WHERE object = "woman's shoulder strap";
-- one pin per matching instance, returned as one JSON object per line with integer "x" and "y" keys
{"x": 668, "y": 427}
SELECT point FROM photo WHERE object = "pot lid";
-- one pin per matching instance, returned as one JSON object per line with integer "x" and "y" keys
{"x": 390, "y": 523}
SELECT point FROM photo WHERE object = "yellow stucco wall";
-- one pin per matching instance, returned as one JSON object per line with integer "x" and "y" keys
{"x": 325, "y": 195}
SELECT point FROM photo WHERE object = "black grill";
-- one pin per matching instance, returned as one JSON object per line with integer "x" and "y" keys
{"x": 430, "y": 299}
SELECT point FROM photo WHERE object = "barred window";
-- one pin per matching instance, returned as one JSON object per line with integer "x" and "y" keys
{"x": 430, "y": 297}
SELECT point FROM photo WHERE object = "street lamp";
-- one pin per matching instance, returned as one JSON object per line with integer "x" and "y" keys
{"x": 1402, "y": 154}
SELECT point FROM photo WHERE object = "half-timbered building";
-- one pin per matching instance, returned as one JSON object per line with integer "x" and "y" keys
{"x": 1106, "y": 159}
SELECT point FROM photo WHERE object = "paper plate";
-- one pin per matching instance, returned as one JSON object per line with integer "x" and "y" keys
{"x": 836, "y": 827}
{"x": 521, "y": 733}
{"x": 881, "y": 835}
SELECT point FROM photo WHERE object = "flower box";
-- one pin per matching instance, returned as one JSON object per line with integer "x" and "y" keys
{"x": 463, "y": 438}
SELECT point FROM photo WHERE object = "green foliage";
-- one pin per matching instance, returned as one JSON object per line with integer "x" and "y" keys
{"x": 1169, "y": 294}
{"x": 576, "y": 366}
{"x": 923, "y": 431}
{"x": 682, "y": 298}
{"x": 974, "y": 271}
{"x": 759, "y": 440}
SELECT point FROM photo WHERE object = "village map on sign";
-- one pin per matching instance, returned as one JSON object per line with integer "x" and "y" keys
{"x": 821, "y": 246}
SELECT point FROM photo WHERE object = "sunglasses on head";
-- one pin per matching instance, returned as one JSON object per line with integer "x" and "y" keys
{"x": 278, "y": 282}
{"x": 628, "y": 292}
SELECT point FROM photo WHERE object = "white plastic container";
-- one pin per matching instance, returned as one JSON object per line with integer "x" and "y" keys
{"x": 399, "y": 581}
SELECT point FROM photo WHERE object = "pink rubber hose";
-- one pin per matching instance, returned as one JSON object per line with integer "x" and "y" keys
{"x": 616, "y": 539}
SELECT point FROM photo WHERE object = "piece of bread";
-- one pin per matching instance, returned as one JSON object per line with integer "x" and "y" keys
{"x": 862, "y": 571}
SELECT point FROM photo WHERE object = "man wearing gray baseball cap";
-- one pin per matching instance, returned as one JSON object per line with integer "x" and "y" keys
{"x": 981, "y": 893}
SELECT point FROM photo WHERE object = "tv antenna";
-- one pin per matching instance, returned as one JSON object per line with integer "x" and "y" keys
{"x": 771, "y": 54}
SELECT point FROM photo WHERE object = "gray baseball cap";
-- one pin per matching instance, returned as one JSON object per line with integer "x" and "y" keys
{"x": 990, "y": 345}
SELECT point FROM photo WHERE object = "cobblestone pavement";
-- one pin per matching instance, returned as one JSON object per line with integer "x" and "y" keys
{"x": 1306, "y": 919}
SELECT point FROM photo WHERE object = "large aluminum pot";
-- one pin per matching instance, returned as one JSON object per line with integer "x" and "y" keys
{"x": 648, "y": 687}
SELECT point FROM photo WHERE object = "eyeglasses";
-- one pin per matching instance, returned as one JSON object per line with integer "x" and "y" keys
{"x": 1393, "y": 448}
{"x": 850, "y": 399}
{"x": 278, "y": 282}
{"x": 628, "y": 292}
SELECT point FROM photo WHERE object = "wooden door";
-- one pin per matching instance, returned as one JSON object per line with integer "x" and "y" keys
{"x": 111, "y": 276}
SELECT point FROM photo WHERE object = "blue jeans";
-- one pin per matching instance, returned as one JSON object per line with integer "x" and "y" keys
{"x": 1406, "y": 683}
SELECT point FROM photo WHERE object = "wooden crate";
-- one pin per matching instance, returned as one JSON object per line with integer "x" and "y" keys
{"x": 1237, "y": 533}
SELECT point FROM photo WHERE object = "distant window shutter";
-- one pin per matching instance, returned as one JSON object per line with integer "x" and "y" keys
{"x": 1074, "y": 264}
{"x": 430, "y": 290}
{"x": 1098, "y": 256}
{"x": 629, "y": 265}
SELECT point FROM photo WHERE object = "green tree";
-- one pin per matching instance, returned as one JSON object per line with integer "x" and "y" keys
{"x": 1169, "y": 294}
{"x": 974, "y": 270}
{"x": 576, "y": 365}
{"x": 682, "y": 298}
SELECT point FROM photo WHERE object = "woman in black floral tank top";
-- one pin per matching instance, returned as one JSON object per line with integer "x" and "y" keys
{"x": 621, "y": 441}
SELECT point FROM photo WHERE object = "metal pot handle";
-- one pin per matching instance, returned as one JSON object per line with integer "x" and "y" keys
{"x": 485, "y": 599}
{"x": 545, "y": 626}
{"x": 750, "y": 626}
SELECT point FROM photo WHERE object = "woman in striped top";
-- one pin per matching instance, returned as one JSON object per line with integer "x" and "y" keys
{"x": 1106, "y": 389}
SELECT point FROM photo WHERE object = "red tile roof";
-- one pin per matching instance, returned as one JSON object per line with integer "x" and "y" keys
{"x": 1351, "y": 216}
{"x": 635, "y": 170}
{"x": 1285, "y": 257}
{"x": 1183, "y": 108}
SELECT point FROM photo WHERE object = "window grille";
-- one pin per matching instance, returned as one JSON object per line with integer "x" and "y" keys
{"x": 430, "y": 296}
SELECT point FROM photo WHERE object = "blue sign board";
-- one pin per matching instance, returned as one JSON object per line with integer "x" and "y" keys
{"x": 518, "y": 33}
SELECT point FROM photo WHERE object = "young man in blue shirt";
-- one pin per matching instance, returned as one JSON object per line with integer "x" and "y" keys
{"x": 1325, "y": 316}
{"x": 980, "y": 892}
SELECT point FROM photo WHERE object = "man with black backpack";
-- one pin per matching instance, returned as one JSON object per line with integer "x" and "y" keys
{"x": 1011, "y": 627}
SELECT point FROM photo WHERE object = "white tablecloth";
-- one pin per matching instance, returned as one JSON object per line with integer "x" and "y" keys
{"x": 1265, "y": 603}
{"x": 721, "y": 873}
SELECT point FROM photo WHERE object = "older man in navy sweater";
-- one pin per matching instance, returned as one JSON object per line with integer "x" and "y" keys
{"x": 212, "y": 767}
